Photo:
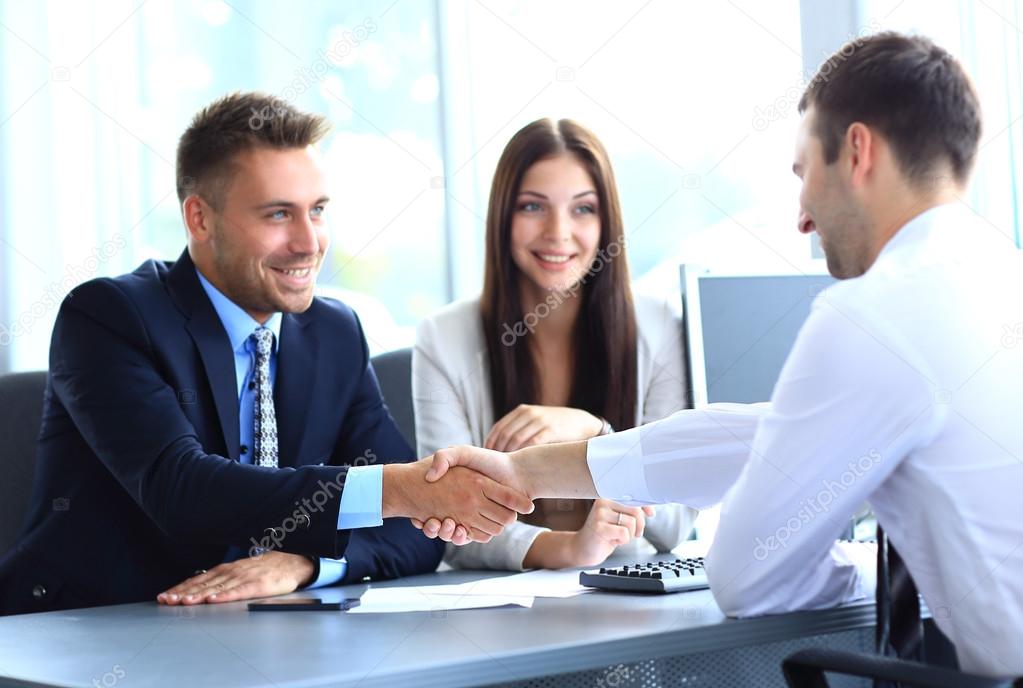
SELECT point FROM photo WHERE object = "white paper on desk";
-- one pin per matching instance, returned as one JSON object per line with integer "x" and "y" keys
{"x": 423, "y": 599}
{"x": 531, "y": 584}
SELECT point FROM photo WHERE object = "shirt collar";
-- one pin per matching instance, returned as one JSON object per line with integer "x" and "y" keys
{"x": 919, "y": 228}
{"x": 238, "y": 324}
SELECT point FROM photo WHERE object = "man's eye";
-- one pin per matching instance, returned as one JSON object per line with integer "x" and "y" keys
{"x": 318, "y": 210}
{"x": 278, "y": 214}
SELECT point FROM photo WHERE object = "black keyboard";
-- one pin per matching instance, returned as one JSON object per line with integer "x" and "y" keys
{"x": 680, "y": 575}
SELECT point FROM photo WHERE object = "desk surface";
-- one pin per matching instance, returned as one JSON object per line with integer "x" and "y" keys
{"x": 226, "y": 645}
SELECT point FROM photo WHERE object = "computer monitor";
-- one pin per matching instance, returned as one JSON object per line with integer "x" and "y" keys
{"x": 740, "y": 329}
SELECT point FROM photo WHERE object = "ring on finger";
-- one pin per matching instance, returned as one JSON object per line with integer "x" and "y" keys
{"x": 619, "y": 522}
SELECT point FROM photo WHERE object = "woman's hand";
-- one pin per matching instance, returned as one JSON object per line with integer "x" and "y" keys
{"x": 529, "y": 424}
{"x": 608, "y": 525}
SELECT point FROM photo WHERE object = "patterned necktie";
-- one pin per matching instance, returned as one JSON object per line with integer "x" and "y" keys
{"x": 265, "y": 435}
{"x": 899, "y": 628}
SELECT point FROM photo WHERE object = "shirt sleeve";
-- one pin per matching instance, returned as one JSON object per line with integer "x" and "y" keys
{"x": 665, "y": 394}
{"x": 851, "y": 401}
{"x": 331, "y": 571}
{"x": 691, "y": 457}
{"x": 362, "y": 498}
{"x": 361, "y": 507}
{"x": 440, "y": 413}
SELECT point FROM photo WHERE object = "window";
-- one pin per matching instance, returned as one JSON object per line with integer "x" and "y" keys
{"x": 93, "y": 97}
{"x": 696, "y": 104}
{"x": 985, "y": 37}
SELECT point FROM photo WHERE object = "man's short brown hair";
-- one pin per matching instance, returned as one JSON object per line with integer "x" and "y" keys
{"x": 233, "y": 124}
{"x": 914, "y": 92}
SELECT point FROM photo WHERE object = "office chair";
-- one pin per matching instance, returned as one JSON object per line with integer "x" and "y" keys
{"x": 394, "y": 372}
{"x": 806, "y": 669}
{"x": 21, "y": 407}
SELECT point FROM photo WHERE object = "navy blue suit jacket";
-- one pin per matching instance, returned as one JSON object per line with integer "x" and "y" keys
{"x": 138, "y": 483}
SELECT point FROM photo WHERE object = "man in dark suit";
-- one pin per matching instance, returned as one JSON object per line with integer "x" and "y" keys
{"x": 213, "y": 432}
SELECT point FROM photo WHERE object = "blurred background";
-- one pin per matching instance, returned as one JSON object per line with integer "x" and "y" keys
{"x": 695, "y": 101}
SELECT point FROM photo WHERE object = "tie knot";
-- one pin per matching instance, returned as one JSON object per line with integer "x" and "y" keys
{"x": 264, "y": 339}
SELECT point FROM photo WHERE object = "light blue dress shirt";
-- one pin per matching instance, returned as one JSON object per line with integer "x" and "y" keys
{"x": 362, "y": 498}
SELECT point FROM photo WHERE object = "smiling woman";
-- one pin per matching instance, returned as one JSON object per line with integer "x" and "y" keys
{"x": 554, "y": 350}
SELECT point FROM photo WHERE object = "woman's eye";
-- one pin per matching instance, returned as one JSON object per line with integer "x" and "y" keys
{"x": 529, "y": 207}
{"x": 585, "y": 209}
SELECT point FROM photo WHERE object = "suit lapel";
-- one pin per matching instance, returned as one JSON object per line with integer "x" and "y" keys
{"x": 293, "y": 389}
{"x": 214, "y": 347}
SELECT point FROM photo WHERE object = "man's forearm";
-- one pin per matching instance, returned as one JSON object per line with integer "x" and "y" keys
{"x": 395, "y": 502}
{"x": 555, "y": 470}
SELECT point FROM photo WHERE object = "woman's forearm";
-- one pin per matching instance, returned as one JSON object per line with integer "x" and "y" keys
{"x": 552, "y": 549}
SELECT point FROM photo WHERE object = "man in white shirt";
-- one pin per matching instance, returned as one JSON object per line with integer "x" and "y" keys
{"x": 902, "y": 389}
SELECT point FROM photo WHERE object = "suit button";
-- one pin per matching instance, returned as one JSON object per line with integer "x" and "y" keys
{"x": 39, "y": 592}
{"x": 302, "y": 520}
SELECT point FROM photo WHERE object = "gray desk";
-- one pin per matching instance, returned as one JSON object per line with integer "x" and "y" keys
{"x": 594, "y": 640}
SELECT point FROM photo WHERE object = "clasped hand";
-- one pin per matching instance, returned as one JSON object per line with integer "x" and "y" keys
{"x": 495, "y": 465}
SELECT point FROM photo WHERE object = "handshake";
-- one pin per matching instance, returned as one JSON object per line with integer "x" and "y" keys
{"x": 468, "y": 494}
{"x": 461, "y": 494}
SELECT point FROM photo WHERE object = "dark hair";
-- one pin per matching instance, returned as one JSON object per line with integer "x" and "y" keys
{"x": 604, "y": 378}
{"x": 914, "y": 92}
{"x": 231, "y": 125}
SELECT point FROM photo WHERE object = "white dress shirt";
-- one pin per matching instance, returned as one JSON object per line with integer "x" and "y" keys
{"x": 904, "y": 389}
{"x": 453, "y": 405}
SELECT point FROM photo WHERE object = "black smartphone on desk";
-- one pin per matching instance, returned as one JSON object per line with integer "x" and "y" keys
{"x": 303, "y": 604}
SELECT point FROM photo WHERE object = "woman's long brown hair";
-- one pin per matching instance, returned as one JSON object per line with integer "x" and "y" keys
{"x": 604, "y": 341}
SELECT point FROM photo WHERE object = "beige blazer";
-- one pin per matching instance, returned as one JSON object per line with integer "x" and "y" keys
{"x": 451, "y": 394}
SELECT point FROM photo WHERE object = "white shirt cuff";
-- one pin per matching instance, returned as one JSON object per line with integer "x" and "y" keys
{"x": 616, "y": 465}
{"x": 362, "y": 498}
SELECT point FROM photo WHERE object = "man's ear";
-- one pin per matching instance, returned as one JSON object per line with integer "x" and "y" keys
{"x": 860, "y": 143}
{"x": 198, "y": 217}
